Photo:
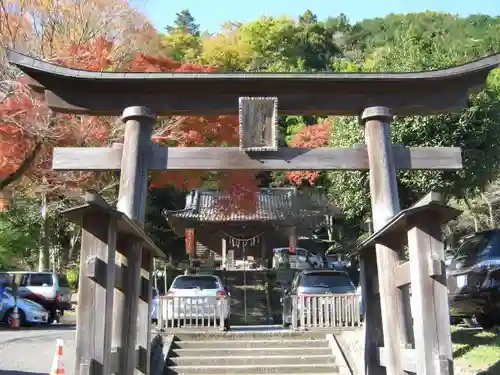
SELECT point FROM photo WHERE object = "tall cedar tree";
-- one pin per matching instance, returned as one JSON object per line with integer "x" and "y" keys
{"x": 185, "y": 23}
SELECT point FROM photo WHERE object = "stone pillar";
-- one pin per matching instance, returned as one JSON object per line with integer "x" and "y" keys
{"x": 385, "y": 204}
{"x": 292, "y": 239}
{"x": 263, "y": 251}
{"x": 224, "y": 253}
{"x": 132, "y": 201}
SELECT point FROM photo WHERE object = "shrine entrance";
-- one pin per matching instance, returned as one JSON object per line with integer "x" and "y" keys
{"x": 238, "y": 246}
{"x": 397, "y": 340}
{"x": 280, "y": 216}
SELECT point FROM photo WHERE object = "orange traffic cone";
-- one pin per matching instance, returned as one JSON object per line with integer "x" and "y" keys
{"x": 14, "y": 319}
{"x": 57, "y": 364}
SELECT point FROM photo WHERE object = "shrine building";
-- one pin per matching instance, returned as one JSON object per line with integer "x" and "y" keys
{"x": 280, "y": 217}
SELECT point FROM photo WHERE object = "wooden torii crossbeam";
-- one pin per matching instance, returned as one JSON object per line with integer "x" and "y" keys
{"x": 232, "y": 158}
{"x": 140, "y": 97}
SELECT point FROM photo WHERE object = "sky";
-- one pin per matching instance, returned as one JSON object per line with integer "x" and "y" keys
{"x": 211, "y": 14}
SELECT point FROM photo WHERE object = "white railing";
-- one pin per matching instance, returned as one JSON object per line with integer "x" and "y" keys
{"x": 326, "y": 311}
{"x": 192, "y": 312}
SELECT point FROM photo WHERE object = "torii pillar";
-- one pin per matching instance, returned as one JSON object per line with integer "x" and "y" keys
{"x": 385, "y": 205}
{"x": 132, "y": 202}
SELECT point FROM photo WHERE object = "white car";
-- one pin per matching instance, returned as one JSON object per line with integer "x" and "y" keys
{"x": 29, "y": 312}
{"x": 301, "y": 259}
{"x": 198, "y": 297}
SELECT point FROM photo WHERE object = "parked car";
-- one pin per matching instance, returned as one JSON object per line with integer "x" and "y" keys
{"x": 206, "y": 292}
{"x": 334, "y": 261}
{"x": 314, "y": 282}
{"x": 29, "y": 312}
{"x": 48, "y": 289}
{"x": 301, "y": 259}
{"x": 474, "y": 280}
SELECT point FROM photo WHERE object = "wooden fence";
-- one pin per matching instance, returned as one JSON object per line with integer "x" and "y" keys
{"x": 192, "y": 312}
{"x": 326, "y": 311}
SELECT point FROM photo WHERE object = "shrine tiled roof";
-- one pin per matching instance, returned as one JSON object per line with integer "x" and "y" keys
{"x": 273, "y": 204}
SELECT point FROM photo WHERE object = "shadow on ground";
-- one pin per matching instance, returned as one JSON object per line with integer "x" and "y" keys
{"x": 475, "y": 340}
{"x": 492, "y": 370}
{"x": 471, "y": 339}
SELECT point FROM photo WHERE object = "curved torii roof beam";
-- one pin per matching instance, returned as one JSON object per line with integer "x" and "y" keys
{"x": 108, "y": 93}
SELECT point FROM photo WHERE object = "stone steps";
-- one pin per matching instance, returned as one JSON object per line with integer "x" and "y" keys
{"x": 252, "y": 360}
{"x": 256, "y": 369}
{"x": 250, "y": 355}
{"x": 262, "y": 351}
{"x": 250, "y": 343}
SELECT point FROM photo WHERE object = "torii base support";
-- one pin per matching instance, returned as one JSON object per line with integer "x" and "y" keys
{"x": 426, "y": 347}
{"x": 106, "y": 231}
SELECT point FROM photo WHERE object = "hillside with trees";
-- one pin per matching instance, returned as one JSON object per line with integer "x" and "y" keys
{"x": 96, "y": 35}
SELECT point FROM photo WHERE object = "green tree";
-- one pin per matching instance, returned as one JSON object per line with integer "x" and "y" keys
{"x": 20, "y": 228}
{"x": 474, "y": 129}
{"x": 470, "y": 37}
{"x": 156, "y": 225}
{"x": 185, "y": 23}
{"x": 272, "y": 44}
{"x": 308, "y": 18}
{"x": 182, "y": 42}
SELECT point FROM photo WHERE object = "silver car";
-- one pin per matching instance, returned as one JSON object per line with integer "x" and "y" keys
{"x": 315, "y": 282}
{"x": 29, "y": 312}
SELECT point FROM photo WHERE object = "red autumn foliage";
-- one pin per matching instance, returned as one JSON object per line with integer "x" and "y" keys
{"x": 94, "y": 55}
{"x": 195, "y": 131}
{"x": 29, "y": 131}
{"x": 23, "y": 108}
{"x": 312, "y": 136}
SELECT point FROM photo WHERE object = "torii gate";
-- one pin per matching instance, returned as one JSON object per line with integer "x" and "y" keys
{"x": 140, "y": 97}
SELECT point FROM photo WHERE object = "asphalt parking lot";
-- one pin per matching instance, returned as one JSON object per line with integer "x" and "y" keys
{"x": 30, "y": 350}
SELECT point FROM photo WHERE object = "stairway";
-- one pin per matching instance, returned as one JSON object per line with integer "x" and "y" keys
{"x": 250, "y": 354}
{"x": 257, "y": 311}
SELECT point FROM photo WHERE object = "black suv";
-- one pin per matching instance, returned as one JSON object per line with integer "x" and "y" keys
{"x": 474, "y": 280}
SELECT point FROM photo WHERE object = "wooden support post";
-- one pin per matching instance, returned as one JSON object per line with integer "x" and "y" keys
{"x": 373, "y": 332}
{"x": 385, "y": 204}
{"x": 429, "y": 298}
{"x": 190, "y": 243}
{"x": 144, "y": 316}
{"x": 95, "y": 295}
{"x": 263, "y": 251}
{"x": 132, "y": 201}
